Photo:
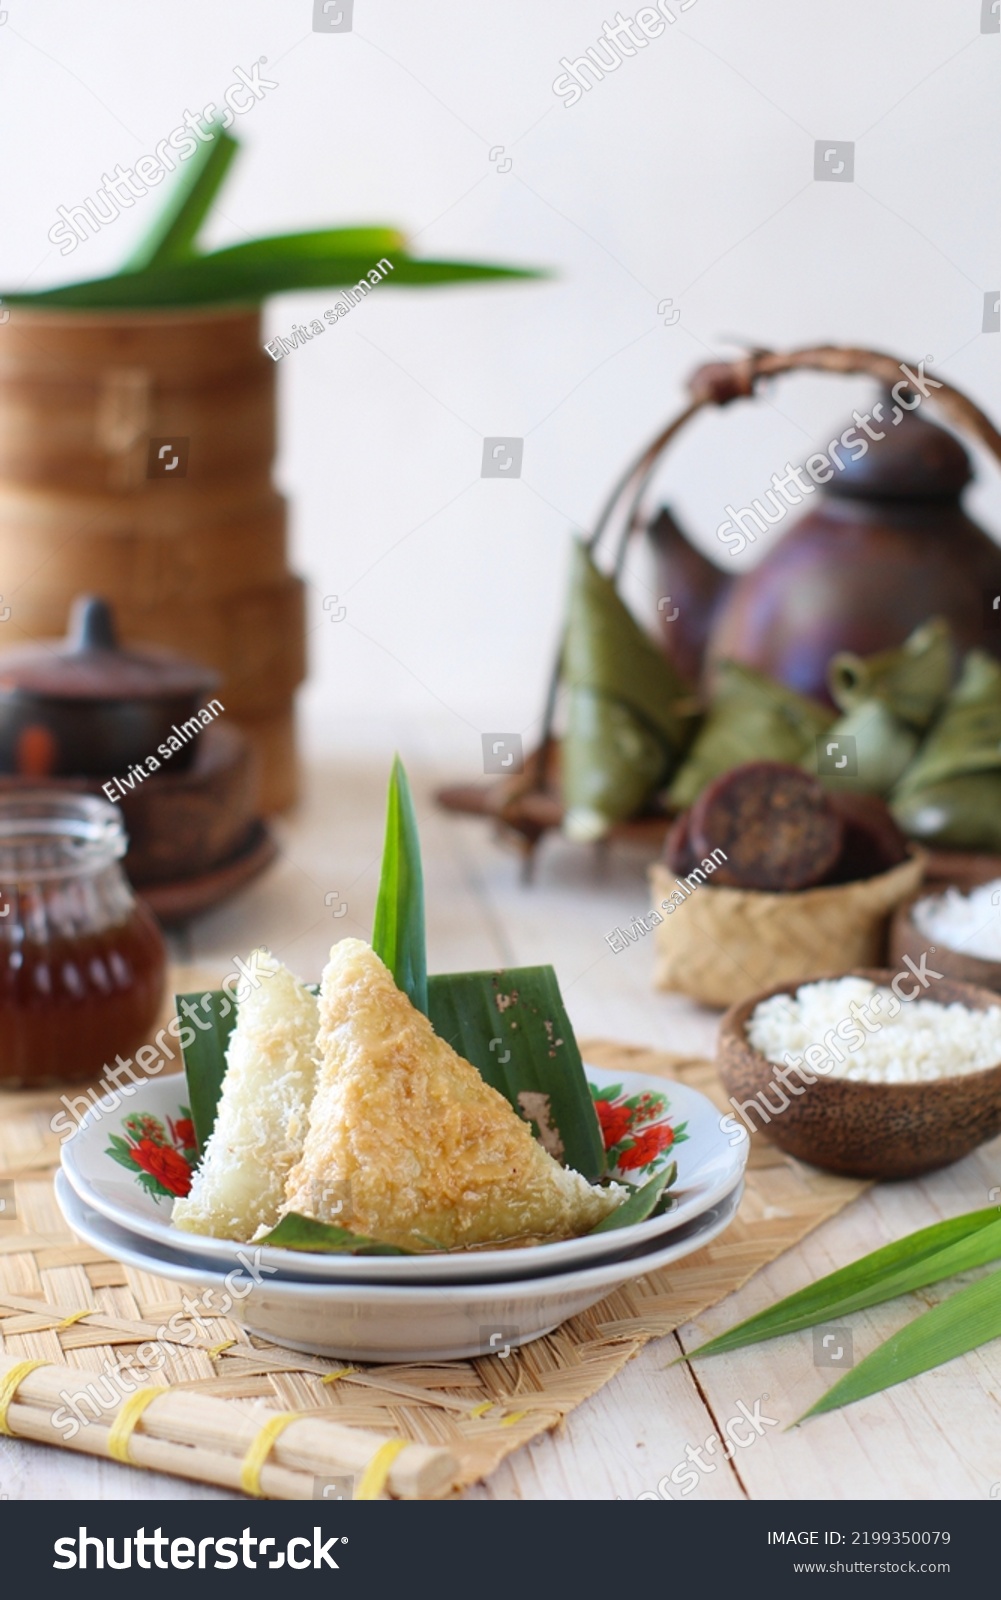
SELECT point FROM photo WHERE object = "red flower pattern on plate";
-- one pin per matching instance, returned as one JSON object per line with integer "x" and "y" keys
{"x": 615, "y": 1121}
{"x": 161, "y": 1161}
{"x": 635, "y": 1129}
{"x": 648, "y": 1144}
{"x": 167, "y": 1166}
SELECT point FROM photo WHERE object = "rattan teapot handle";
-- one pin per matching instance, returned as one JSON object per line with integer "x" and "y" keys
{"x": 721, "y": 382}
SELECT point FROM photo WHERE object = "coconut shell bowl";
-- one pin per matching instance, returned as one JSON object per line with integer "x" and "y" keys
{"x": 864, "y": 1130}
{"x": 906, "y": 939}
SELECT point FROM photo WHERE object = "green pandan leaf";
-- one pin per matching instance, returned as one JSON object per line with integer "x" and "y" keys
{"x": 398, "y": 936}
{"x": 166, "y": 270}
{"x": 173, "y": 234}
{"x": 969, "y": 1318}
{"x": 246, "y": 274}
{"x": 925, "y": 1257}
{"x": 295, "y": 1232}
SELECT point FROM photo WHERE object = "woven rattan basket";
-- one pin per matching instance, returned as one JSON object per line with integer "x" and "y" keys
{"x": 724, "y": 945}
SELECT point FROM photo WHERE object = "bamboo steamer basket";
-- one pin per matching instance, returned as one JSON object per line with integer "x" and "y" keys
{"x": 192, "y": 346}
{"x": 197, "y": 563}
{"x": 167, "y": 511}
{"x": 98, "y": 437}
{"x": 174, "y": 509}
{"x": 131, "y": 565}
{"x": 255, "y": 637}
{"x": 82, "y": 394}
{"x": 724, "y": 945}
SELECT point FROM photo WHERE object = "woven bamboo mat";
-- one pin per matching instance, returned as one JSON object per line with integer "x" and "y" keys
{"x": 481, "y": 1410}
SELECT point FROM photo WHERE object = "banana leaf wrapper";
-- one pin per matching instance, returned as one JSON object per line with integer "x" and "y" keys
{"x": 883, "y": 746}
{"x": 752, "y": 718}
{"x": 628, "y": 717}
{"x": 962, "y": 813}
{"x": 966, "y": 738}
{"x": 911, "y": 681}
{"x": 612, "y": 765}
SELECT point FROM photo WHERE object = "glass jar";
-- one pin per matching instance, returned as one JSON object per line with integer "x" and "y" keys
{"x": 82, "y": 962}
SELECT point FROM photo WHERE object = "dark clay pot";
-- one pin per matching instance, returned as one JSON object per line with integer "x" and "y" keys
{"x": 885, "y": 545}
{"x": 83, "y": 706}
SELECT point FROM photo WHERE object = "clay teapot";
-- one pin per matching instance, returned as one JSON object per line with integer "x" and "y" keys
{"x": 85, "y": 706}
{"x": 882, "y": 541}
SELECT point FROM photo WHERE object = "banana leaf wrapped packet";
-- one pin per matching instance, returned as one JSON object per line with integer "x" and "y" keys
{"x": 950, "y": 795}
{"x": 629, "y": 717}
{"x": 751, "y": 718}
{"x": 887, "y": 700}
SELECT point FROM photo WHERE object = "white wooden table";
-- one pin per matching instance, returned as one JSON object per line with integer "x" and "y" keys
{"x": 937, "y": 1437}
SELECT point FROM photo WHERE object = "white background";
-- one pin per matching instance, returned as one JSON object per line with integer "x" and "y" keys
{"x": 688, "y": 173}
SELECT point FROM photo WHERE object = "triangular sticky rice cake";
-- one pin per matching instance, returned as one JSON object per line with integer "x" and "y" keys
{"x": 408, "y": 1144}
{"x": 263, "y": 1113}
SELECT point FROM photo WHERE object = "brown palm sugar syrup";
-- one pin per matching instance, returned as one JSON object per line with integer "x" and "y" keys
{"x": 82, "y": 963}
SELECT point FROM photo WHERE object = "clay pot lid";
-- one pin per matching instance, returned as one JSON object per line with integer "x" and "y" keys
{"x": 90, "y": 664}
{"x": 916, "y": 460}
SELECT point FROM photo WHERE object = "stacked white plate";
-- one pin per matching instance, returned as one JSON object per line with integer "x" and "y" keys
{"x": 394, "y": 1308}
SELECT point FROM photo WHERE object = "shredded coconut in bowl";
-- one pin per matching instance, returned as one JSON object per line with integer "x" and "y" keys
{"x": 969, "y": 923}
{"x": 853, "y": 1028}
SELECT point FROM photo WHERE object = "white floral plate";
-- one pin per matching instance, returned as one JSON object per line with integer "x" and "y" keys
{"x": 128, "y": 1164}
{"x": 388, "y": 1322}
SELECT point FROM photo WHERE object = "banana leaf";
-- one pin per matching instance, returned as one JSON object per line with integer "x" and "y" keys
{"x": 613, "y": 764}
{"x": 642, "y": 1203}
{"x": 966, "y": 736}
{"x": 884, "y": 746}
{"x": 296, "y": 1232}
{"x": 751, "y": 718}
{"x": 204, "y": 1056}
{"x": 513, "y": 1027}
{"x": 956, "y": 814}
{"x": 911, "y": 681}
{"x": 627, "y": 724}
{"x": 950, "y": 794}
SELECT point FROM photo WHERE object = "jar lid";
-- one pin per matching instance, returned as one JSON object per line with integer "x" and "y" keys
{"x": 48, "y": 833}
{"x": 915, "y": 459}
{"x": 90, "y": 664}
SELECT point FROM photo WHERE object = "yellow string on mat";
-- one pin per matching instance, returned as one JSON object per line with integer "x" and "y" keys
{"x": 77, "y": 1316}
{"x": 260, "y": 1449}
{"x": 9, "y": 1385}
{"x": 217, "y": 1349}
{"x": 332, "y": 1377}
{"x": 373, "y": 1479}
{"x": 123, "y": 1425}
